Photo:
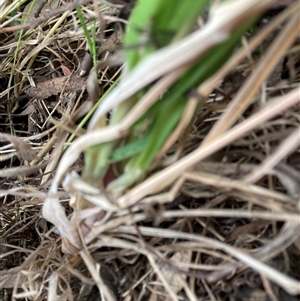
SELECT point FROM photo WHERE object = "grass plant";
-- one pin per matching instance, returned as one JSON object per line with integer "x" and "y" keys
{"x": 180, "y": 179}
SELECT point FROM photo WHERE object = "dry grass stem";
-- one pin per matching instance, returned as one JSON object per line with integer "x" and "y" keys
{"x": 214, "y": 213}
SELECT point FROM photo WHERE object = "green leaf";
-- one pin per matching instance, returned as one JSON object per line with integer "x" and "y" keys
{"x": 155, "y": 23}
{"x": 128, "y": 150}
{"x": 170, "y": 108}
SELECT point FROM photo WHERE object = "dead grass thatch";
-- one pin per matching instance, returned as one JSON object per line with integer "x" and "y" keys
{"x": 218, "y": 220}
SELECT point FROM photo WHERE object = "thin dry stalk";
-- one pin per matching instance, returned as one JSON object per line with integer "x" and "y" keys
{"x": 245, "y": 95}
{"x": 207, "y": 87}
{"x": 290, "y": 144}
{"x": 289, "y": 284}
{"x": 168, "y": 175}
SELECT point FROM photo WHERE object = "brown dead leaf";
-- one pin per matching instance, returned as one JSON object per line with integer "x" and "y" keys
{"x": 24, "y": 151}
{"x": 55, "y": 86}
{"x": 174, "y": 279}
{"x": 112, "y": 42}
{"x": 66, "y": 71}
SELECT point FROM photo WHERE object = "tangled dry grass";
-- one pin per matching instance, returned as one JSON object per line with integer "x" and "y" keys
{"x": 227, "y": 228}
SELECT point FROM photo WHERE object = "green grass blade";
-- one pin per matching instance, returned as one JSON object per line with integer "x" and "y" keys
{"x": 175, "y": 102}
{"x": 91, "y": 42}
{"x": 154, "y": 24}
